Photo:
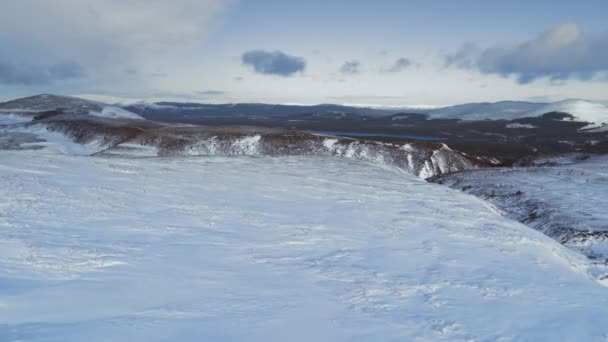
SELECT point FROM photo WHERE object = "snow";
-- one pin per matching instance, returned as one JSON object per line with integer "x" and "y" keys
{"x": 584, "y": 111}
{"x": 131, "y": 150}
{"x": 330, "y": 143}
{"x": 421, "y": 161}
{"x": 116, "y": 113}
{"x": 56, "y": 142}
{"x": 13, "y": 118}
{"x": 519, "y": 125}
{"x": 68, "y": 104}
{"x": 566, "y": 194}
{"x": 595, "y": 128}
{"x": 293, "y": 248}
{"x": 248, "y": 144}
{"x": 507, "y": 110}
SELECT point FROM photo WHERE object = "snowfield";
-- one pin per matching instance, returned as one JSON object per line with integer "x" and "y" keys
{"x": 284, "y": 248}
{"x": 564, "y": 197}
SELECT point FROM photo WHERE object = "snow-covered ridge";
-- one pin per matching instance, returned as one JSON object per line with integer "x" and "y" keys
{"x": 73, "y": 134}
{"x": 508, "y": 110}
{"x": 594, "y": 113}
{"x": 584, "y": 111}
{"x": 67, "y": 104}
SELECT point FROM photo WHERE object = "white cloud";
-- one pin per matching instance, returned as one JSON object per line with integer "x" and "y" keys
{"x": 104, "y": 36}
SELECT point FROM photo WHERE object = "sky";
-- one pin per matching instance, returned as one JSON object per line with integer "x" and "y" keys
{"x": 398, "y": 53}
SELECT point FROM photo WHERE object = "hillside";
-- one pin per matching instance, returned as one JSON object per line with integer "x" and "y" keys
{"x": 70, "y": 105}
{"x": 581, "y": 110}
{"x": 282, "y": 248}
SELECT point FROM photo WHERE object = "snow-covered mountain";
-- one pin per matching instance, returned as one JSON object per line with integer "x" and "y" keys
{"x": 507, "y": 110}
{"x": 290, "y": 248}
{"x": 594, "y": 113}
{"x": 582, "y": 110}
{"x": 26, "y": 107}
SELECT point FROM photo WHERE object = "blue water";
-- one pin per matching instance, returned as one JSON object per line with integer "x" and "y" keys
{"x": 381, "y": 135}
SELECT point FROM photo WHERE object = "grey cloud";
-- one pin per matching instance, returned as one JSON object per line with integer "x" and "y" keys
{"x": 399, "y": 65}
{"x": 559, "y": 54}
{"x": 273, "y": 63}
{"x": 25, "y": 74}
{"x": 350, "y": 67}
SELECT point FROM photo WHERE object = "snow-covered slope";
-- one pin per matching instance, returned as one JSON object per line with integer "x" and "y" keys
{"x": 508, "y": 110}
{"x": 72, "y": 105}
{"x": 564, "y": 198}
{"x": 594, "y": 113}
{"x": 296, "y": 248}
{"x": 582, "y": 110}
{"x": 115, "y": 113}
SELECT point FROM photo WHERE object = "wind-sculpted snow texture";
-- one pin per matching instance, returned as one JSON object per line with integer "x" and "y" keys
{"x": 285, "y": 248}
{"x": 563, "y": 197}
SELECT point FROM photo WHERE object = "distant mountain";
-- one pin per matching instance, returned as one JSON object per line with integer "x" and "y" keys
{"x": 66, "y": 104}
{"x": 581, "y": 110}
{"x": 584, "y": 111}
{"x": 594, "y": 113}
{"x": 184, "y": 111}
{"x": 507, "y": 110}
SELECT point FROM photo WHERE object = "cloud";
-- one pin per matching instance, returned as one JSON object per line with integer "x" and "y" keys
{"x": 25, "y": 74}
{"x": 273, "y": 63}
{"x": 350, "y": 67}
{"x": 399, "y": 65}
{"x": 559, "y": 54}
{"x": 105, "y": 37}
